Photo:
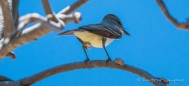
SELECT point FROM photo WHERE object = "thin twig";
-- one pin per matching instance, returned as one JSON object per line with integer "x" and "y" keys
{"x": 170, "y": 18}
{"x": 69, "y": 9}
{"x": 48, "y": 10}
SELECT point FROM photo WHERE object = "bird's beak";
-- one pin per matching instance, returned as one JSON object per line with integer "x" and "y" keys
{"x": 125, "y": 32}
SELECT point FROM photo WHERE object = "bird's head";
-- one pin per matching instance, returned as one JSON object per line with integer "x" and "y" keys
{"x": 112, "y": 19}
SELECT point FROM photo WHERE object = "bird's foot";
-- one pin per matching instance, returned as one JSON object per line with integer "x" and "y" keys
{"x": 86, "y": 60}
{"x": 109, "y": 59}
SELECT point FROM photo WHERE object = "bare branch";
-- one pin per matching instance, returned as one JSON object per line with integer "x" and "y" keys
{"x": 11, "y": 83}
{"x": 30, "y": 34}
{"x": 48, "y": 10}
{"x": 36, "y": 18}
{"x": 3, "y": 78}
{"x": 170, "y": 18}
{"x": 13, "y": 4}
{"x": 76, "y": 17}
{"x": 16, "y": 21}
{"x": 91, "y": 64}
{"x": 8, "y": 22}
{"x": 69, "y": 9}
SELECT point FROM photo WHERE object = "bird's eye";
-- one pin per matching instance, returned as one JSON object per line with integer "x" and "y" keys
{"x": 118, "y": 22}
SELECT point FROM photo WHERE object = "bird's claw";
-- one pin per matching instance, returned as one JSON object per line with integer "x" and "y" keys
{"x": 86, "y": 60}
{"x": 108, "y": 61}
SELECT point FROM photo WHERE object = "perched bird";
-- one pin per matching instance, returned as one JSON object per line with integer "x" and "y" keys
{"x": 98, "y": 35}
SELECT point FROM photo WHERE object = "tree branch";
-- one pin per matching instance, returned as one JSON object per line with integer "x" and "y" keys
{"x": 14, "y": 4}
{"x": 91, "y": 64}
{"x": 8, "y": 22}
{"x": 170, "y": 18}
{"x": 69, "y": 9}
{"x": 3, "y": 78}
{"x": 31, "y": 33}
{"x": 76, "y": 17}
{"x": 48, "y": 10}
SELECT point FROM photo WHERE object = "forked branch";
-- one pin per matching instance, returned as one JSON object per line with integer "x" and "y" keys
{"x": 44, "y": 26}
{"x": 165, "y": 11}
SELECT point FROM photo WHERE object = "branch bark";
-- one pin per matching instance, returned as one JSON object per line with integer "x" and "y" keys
{"x": 165, "y": 11}
{"x": 48, "y": 10}
{"x": 14, "y": 4}
{"x": 7, "y": 17}
{"x": 69, "y": 9}
{"x": 33, "y": 32}
{"x": 10, "y": 9}
{"x": 91, "y": 64}
{"x": 3, "y": 78}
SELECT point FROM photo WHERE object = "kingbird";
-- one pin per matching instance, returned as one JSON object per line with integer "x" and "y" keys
{"x": 98, "y": 35}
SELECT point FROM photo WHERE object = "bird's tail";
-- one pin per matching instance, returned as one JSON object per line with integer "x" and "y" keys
{"x": 67, "y": 33}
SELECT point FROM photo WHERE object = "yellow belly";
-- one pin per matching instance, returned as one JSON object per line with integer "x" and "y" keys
{"x": 93, "y": 39}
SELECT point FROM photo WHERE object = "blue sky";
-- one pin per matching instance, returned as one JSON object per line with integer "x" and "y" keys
{"x": 155, "y": 45}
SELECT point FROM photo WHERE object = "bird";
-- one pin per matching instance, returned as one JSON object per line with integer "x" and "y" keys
{"x": 98, "y": 35}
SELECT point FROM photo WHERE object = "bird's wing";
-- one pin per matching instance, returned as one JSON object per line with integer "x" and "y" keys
{"x": 102, "y": 30}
